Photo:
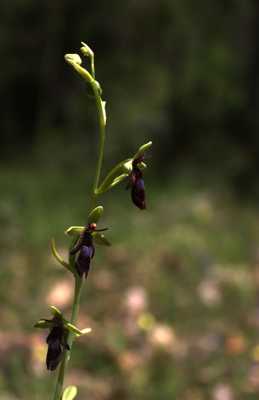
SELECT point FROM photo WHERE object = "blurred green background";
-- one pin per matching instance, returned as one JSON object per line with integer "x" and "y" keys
{"x": 174, "y": 303}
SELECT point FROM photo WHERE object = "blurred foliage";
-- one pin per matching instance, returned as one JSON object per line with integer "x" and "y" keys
{"x": 184, "y": 73}
{"x": 173, "y": 304}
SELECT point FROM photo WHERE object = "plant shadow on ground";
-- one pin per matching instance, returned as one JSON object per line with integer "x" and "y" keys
{"x": 173, "y": 304}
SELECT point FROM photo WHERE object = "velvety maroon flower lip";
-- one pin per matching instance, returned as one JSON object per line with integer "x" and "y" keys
{"x": 56, "y": 341}
{"x": 85, "y": 248}
{"x": 137, "y": 185}
{"x": 83, "y": 261}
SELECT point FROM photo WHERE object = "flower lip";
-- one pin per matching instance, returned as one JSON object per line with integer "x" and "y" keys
{"x": 85, "y": 249}
{"x": 57, "y": 344}
{"x": 138, "y": 194}
{"x": 137, "y": 185}
{"x": 84, "y": 259}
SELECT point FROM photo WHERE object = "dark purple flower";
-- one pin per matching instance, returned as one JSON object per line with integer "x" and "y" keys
{"x": 137, "y": 185}
{"x": 57, "y": 344}
{"x": 85, "y": 249}
{"x": 83, "y": 261}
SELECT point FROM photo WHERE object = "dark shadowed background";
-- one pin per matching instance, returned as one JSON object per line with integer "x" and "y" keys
{"x": 173, "y": 304}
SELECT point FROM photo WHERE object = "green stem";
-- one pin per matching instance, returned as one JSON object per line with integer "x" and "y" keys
{"x": 94, "y": 195}
{"x": 101, "y": 121}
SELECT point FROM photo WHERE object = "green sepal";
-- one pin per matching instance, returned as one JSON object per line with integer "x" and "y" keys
{"x": 69, "y": 393}
{"x": 116, "y": 175}
{"x": 119, "y": 179}
{"x": 95, "y": 215}
{"x": 73, "y": 329}
{"x": 75, "y": 230}
{"x": 56, "y": 312}
{"x": 58, "y": 257}
{"x": 141, "y": 151}
{"x": 122, "y": 170}
{"x": 85, "y": 331}
{"x": 44, "y": 324}
{"x": 99, "y": 238}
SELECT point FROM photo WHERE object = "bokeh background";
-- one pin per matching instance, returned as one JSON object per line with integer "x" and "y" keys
{"x": 174, "y": 303}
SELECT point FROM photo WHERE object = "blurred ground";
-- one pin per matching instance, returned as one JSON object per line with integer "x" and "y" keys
{"x": 173, "y": 304}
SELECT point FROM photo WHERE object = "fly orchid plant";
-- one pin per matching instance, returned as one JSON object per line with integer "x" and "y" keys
{"x": 63, "y": 332}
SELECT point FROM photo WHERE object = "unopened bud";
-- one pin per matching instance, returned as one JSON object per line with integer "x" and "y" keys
{"x": 73, "y": 59}
{"x": 86, "y": 51}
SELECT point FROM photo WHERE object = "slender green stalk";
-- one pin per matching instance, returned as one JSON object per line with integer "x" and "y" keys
{"x": 101, "y": 121}
{"x": 94, "y": 195}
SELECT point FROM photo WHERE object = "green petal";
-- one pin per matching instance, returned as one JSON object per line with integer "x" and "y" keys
{"x": 99, "y": 238}
{"x": 44, "y": 324}
{"x": 69, "y": 393}
{"x": 85, "y": 331}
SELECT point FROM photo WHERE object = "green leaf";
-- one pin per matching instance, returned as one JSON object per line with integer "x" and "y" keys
{"x": 69, "y": 393}
{"x": 99, "y": 238}
{"x": 95, "y": 215}
{"x": 74, "y": 230}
